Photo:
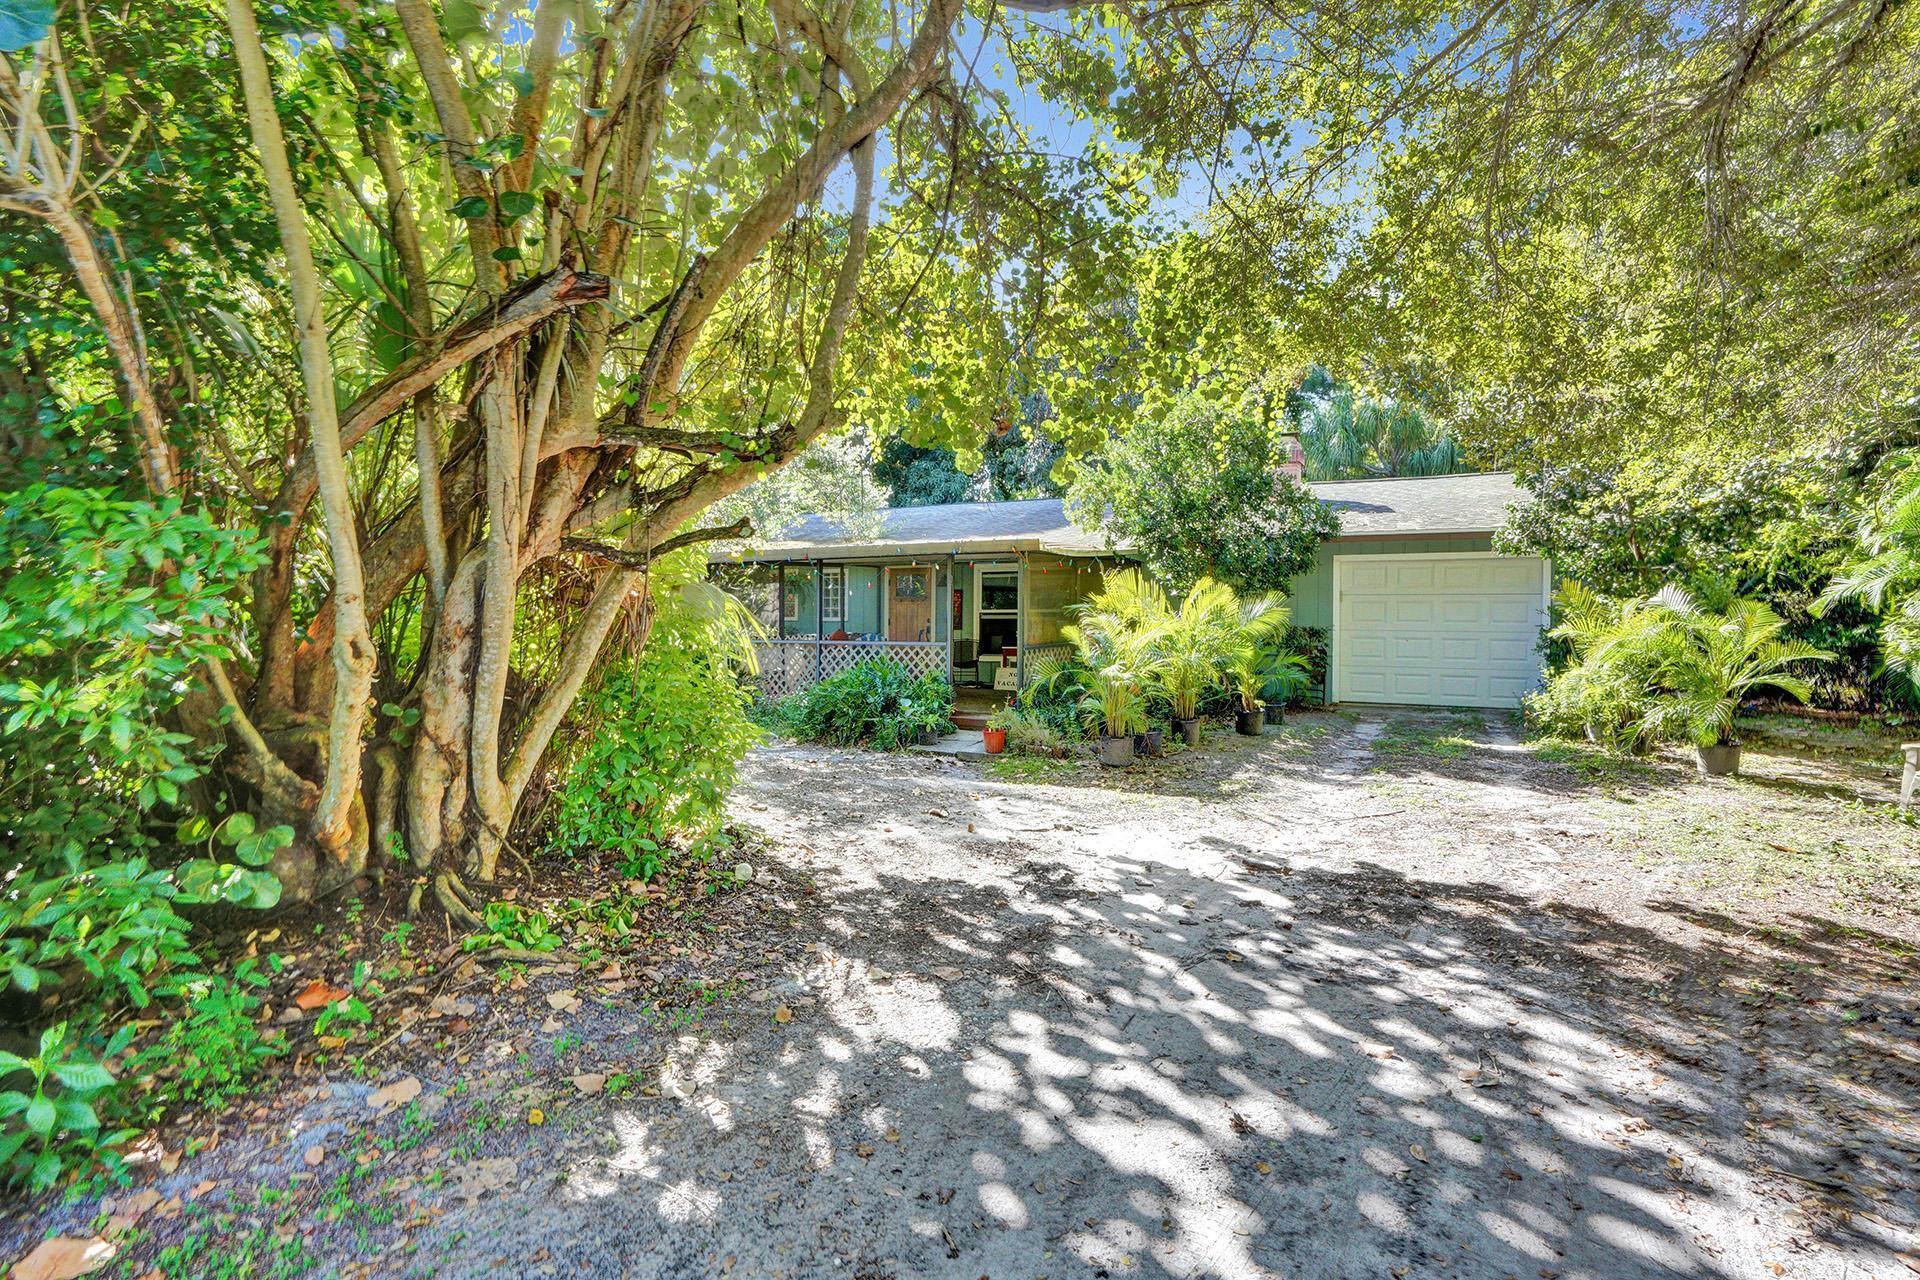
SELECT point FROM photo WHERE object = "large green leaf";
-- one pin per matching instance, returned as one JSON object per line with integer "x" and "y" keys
{"x": 24, "y": 22}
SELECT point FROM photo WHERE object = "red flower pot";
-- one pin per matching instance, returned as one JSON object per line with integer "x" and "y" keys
{"x": 996, "y": 740}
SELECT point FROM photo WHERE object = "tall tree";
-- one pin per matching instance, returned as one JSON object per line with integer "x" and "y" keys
{"x": 478, "y": 288}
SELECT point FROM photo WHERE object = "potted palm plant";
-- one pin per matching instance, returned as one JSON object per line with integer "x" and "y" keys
{"x": 1187, "y": 646}
{"x": 1112, "y": 637}
{"x": 1245, "y": 680}
{"x": 1113, "y": 709}
{"x": 1257, "y": 624}
{"x": 1285, "y": 673}
{"x": 1707, "y": 662}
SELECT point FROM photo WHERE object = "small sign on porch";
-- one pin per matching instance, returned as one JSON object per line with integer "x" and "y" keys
{"x": 1005, "y": 676}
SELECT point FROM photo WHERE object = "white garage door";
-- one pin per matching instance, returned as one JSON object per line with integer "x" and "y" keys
{"x": 1443, "y": 630}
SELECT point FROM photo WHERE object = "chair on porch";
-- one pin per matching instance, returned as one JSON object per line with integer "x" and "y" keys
{"x": 966, "y": 657}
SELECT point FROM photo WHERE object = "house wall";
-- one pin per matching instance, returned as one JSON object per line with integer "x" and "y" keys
{"x": 1311, "y": 594}
{"x": 1055, "y": 584}
{"x": 800, "y": 588}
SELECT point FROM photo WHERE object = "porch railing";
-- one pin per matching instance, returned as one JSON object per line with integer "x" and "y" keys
{"x": 788, "y": 666}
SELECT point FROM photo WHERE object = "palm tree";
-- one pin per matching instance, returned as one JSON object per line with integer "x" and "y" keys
{"x": 1346, "y": 438}
{"x": 1189, "y": 644}
{"x": 1707, "y": 662}
{"x": 1887, "y": 577}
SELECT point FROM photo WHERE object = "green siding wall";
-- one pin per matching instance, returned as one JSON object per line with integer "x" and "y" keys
{"x": 1311, "y": 594}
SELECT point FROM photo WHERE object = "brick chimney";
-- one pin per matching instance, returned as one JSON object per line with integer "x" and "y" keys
{"x": 1295, "y": 466}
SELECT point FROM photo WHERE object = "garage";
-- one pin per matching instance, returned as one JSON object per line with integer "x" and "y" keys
{"x": 1448, "y": 630}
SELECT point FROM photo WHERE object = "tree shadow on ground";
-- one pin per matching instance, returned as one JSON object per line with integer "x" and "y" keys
{"x": 1071, "y": 1067}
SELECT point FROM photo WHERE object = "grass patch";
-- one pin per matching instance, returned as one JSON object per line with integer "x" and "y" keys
{"x": 1592, "y": 763}
{"x": 1751, "y": 844}
{"x": 1008, "y": 768}
{"x": 1448, "y": 736}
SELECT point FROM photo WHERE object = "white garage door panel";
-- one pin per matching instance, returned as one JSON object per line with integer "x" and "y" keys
{"x": 1456, "y": 631}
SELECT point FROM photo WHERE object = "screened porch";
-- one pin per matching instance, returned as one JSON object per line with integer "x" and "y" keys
{"x": 985, "y": 620}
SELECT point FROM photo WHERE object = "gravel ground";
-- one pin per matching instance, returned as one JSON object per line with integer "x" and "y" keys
{"x": 1384, "y": 995}
{"x": 1380, "y": 997}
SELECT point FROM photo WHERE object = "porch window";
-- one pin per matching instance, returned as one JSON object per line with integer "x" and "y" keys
{"x": 833, "y": 595}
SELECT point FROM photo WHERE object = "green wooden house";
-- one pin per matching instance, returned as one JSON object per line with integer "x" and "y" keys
{"x": 1417, "y": 605}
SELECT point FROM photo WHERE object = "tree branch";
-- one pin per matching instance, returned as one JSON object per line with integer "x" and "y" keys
{"x": 641, "y": 559}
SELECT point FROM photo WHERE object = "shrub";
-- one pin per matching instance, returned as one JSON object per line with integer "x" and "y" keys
{"x": 106, "y": 611}
{"x": 668, "y": 732}
{"x": 1032, "y": 733}
{"x": 213, "y": 1048}
{"x": 52, "y": 1124}
{"x": 1664, "y": 668}
{"x": 875, "y": 701}
{"x": 112, "y": 925}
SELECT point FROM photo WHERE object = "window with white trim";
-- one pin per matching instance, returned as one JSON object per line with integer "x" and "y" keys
{"x": 833, "y": 595}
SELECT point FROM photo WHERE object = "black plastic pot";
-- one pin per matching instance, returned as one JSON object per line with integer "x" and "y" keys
{"x": 1116, "y": 753}
{"x": 925, "y": 737}
{"x": 1276, "y": 712}
{"x": 1251, "y": 723}
{"x": 1719, "y": 760}
{"x": 1147, "y": 743}
{"x": 1188, "y": 729}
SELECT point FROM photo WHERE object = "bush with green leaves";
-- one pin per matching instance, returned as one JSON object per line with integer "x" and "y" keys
{"x": 1885, "y": 574}
{"x": 213, "y": 1048}
{"x": 49, "y": 1117}
{"x": 875, "y": 702}
{"x": 109, "y": 607}
{"x": 662, "y": 746}
{"x": 1199, "y": 492}
{"x": 1668, "y": 667}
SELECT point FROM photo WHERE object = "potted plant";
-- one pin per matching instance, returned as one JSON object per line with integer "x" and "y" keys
{"x": 1114, "y": 710}
{"x": 927, "y": 708}
{"x": 994, "y": 736}
{"x": 1188, "y": 645}
{"x": 1285, "y": 675}
{"x": 1245, "y": 680}
{"x": 1707, "y": 662}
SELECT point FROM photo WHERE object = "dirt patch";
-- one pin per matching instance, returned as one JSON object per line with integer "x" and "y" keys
{"x": 1393, "y": 994}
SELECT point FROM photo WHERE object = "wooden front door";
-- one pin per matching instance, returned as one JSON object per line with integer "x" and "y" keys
{"x": 910, "y": 603}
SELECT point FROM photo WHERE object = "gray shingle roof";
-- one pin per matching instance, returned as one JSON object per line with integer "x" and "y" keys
{"x": 1408, "y": 506}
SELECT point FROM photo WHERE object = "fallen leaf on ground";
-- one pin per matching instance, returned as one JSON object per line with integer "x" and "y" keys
{"x": 590, "y": 1082}
{"x": 536, "y": 1116}
{"x": 783, "y": 1014}
{"x": 1419, "y": 1152}
{"x": 562, "y": 1001}
{"x": 946, "y": 973}
{"x": 313, "y": 1155}
{"x": 318, "y": 995}
{"x": 127, "y": 1213}
{"x": 399, "y": 1093}
{"x": 63, "y": 1258}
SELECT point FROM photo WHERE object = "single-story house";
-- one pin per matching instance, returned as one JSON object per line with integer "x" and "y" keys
{"x": 1417, "y": 605}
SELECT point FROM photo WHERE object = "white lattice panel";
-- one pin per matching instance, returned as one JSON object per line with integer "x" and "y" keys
{"x": 788, "y": 666}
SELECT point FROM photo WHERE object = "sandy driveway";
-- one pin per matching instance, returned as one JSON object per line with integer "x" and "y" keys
{"x": 1312, "y": 1009}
